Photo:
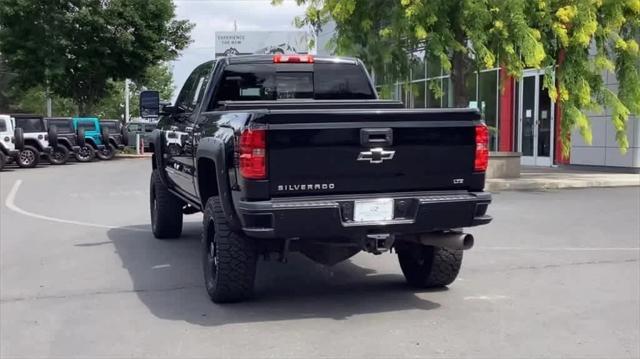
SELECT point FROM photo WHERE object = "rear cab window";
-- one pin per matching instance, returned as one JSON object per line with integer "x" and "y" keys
{"x": 110, "y": 125}
{"x": 268, "y": 82}
{"x": 62, "y": 126}
{"x": 87, "y": 126}
{"x": 31, "y": 124}
{"x": 3, "y": 125}
{"x": 134, "y": 127}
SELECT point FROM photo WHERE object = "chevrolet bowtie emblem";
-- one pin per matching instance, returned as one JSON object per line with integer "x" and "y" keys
{"x": 376, "y": 155}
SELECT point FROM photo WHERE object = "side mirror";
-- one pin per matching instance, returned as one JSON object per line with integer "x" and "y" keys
{"x": 149, "y": 104}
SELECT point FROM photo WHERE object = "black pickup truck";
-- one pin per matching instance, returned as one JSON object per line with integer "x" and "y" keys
{"x": 296, "y": 153}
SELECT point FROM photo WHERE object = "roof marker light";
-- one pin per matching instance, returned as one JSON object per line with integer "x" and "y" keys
{"x": 303, "y": 59}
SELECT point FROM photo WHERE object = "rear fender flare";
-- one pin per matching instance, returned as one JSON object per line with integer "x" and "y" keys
{"x": 221, "y": 153}
{"x": 65, "y": 142}
{"x": 91, "y": 142}
{"x": 34, "y": 143}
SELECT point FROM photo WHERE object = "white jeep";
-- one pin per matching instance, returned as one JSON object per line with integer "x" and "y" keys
{"x": 36, "y": 140}
{"x": 10, "y": 140}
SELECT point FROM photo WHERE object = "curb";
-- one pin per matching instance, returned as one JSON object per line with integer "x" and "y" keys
{"x": 133, "y": 156}
{"x": 529, "y": 185}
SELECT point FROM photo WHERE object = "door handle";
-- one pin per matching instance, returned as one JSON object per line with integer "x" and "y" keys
{"x": 376, "y": 136}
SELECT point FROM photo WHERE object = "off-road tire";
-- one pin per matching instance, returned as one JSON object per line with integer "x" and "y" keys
{"x": 165, "y": 209}
{"x": 3, "y": 160}
{"x": 428, "y": 266}
{"x": 88, "y": 150}
{"x": 60, "y": 159}
{"x": 229, "y": 259}
{"x": 34, "y": 158}
{"x": 107, "y": 153}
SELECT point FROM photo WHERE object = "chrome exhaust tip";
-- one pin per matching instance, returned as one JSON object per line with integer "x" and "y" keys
{"x": 458, "y": 241}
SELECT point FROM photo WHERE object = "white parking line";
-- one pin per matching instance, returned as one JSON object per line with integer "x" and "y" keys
{"x": 10, "y": 203}
{"x": 568, "y": 249}
{"x": 160, "y": 266}
{"x": 489, "y": 298}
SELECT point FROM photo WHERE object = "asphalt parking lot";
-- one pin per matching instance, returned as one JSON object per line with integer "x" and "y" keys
{"x": 556, "y": 275}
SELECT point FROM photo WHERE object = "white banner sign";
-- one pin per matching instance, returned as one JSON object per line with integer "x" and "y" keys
{"x": 230, "y": 43}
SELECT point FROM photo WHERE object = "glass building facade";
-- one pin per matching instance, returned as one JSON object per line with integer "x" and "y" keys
{"x": 429, "y": 86}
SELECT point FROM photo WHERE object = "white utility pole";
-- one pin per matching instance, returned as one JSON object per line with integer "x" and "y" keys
{"x": 49, "y": 110}
{"x": 126, "y": 100}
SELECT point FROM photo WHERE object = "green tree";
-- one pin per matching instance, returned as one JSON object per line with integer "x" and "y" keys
{"x": 466, "y": 35}
{"x": 156, "y": 77}
{"x": 34, "y": 100}
{"x": 80, "y": 48}
{"x": 5, "y": 78}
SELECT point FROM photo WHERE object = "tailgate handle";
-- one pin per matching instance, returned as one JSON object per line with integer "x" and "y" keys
{"x": 376, "y": 136}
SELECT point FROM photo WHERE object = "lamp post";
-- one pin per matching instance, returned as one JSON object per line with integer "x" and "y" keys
{"x": 126, "y": 100}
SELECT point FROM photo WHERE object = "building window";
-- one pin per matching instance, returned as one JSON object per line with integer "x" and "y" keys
{"x": 432, "y": 100}
{"x": 419, "y": 94}
{"x": 418, "y": 66}
{"x": 488, "y": 91}
{"x": 483, "y": 89}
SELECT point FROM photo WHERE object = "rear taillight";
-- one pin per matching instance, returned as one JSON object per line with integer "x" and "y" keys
{"x": 482, "y": 148}
{"x": 253, "y": 154}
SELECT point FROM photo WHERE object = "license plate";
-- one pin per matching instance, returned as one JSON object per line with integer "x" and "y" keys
{"x": 373, "y": 210}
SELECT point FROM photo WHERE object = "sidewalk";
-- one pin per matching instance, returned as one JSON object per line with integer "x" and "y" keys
{"x": 537, "y": 178}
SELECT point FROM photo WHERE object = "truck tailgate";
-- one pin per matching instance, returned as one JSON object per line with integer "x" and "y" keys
{"x": 340, "y": 151}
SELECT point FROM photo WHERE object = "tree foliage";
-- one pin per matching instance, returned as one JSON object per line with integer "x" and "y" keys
{"x": 79, "y": 48}
{"x": 578, "y": 38}
{"x": 111, "y": 105}
{"x": 5, "y": 78}
{"x": 158, "y": 78}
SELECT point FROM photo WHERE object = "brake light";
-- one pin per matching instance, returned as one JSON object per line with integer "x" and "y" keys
{"x": 253, "y": 154}
{"x": 280, "y": 58}
{"x": 482, "y": 148}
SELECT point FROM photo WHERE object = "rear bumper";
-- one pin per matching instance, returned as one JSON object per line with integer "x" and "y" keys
{"x": 332, "y": 216}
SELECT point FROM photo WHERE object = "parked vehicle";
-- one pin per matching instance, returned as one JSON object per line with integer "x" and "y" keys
{"x": 69, "y": 139}
{"x": 11, "y": 140}
{"x": 117, "y": 137}
{"x": 295, "y": 153}
{"x": 95, "y": 136}
{"x": 36, "y": 139}
{"x": 144, "y": 129}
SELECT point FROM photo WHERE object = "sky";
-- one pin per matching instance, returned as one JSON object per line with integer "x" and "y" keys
{"x": 210, "y": 16}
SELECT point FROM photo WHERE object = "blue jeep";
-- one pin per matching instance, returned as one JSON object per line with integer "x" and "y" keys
{"x": 95, "y": 136}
